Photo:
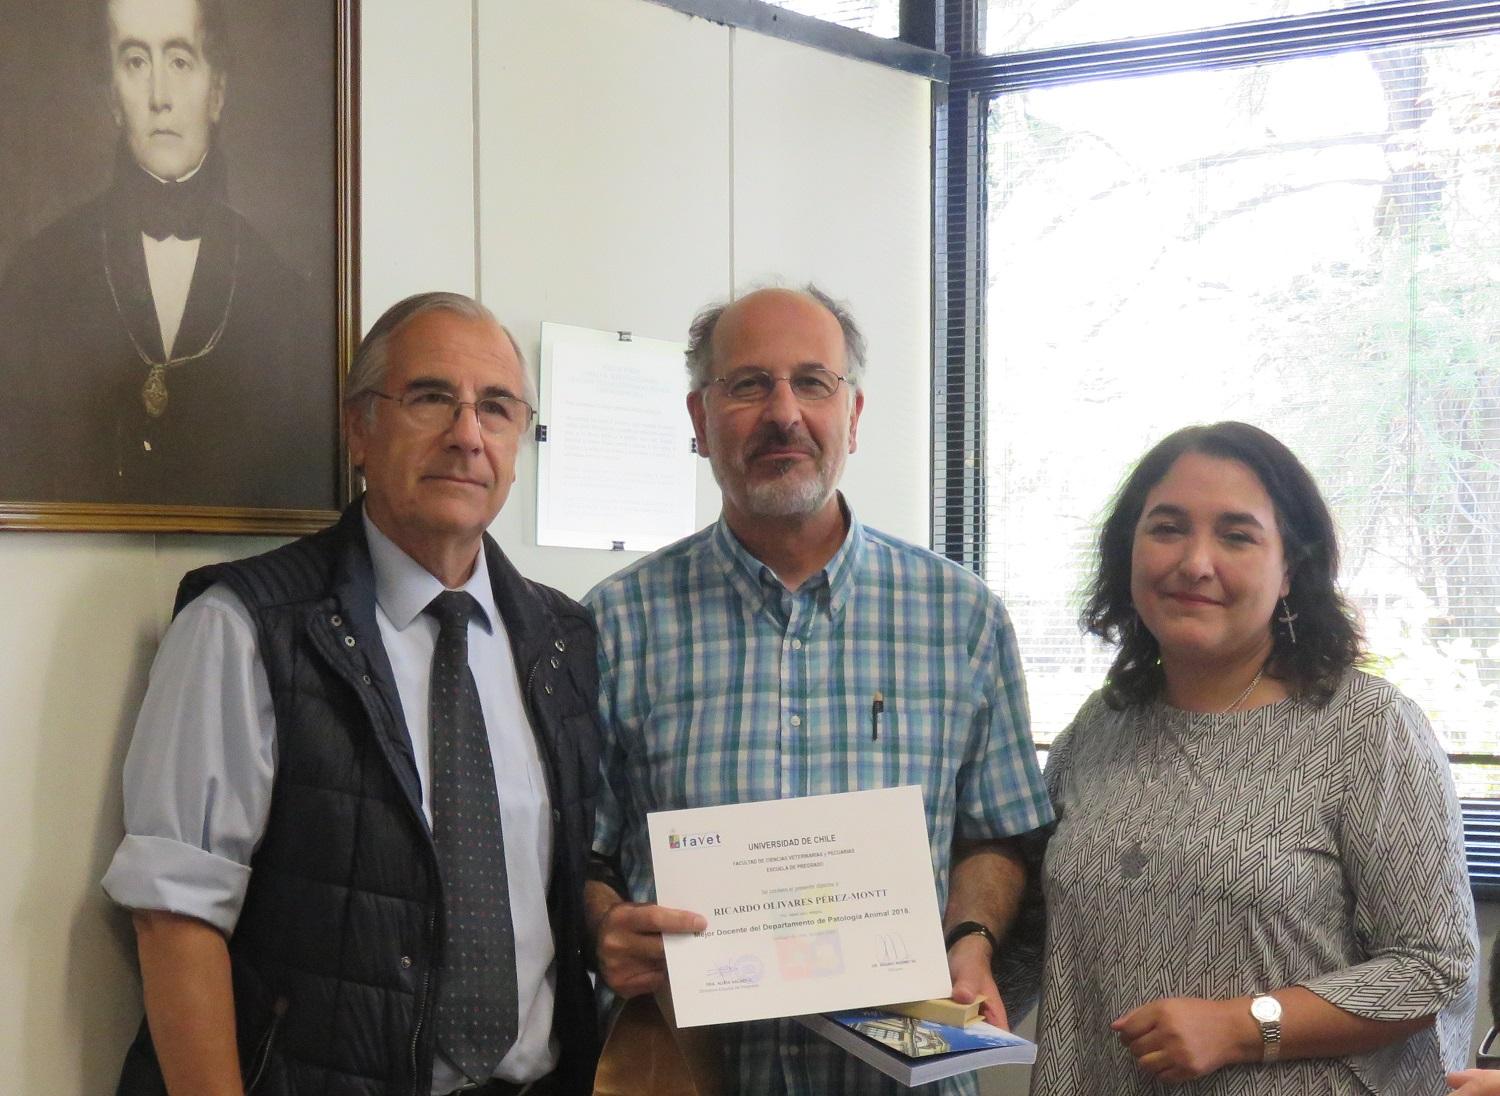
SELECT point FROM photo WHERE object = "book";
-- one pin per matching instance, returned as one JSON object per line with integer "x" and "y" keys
{"x": 916, "y": 1052}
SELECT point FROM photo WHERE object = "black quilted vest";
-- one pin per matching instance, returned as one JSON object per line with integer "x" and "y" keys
{"x": 337, "y": 953}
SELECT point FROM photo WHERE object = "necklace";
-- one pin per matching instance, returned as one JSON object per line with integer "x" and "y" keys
{"x": 154, "y": 391}
{"x": 1250, "y": 688}
{"x": 1135, "y": 856}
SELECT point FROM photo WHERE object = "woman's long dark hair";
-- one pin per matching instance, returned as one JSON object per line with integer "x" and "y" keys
{"x": 1328, "y": 637}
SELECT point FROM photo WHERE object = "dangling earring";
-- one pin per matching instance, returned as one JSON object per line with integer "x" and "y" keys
{"x": 1286, "y": 617}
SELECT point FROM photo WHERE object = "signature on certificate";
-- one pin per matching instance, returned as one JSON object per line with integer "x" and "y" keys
{"x": 746, "y": 970}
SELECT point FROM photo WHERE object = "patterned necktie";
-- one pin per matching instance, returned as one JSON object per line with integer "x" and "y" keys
{"x": 477, "y": 1011}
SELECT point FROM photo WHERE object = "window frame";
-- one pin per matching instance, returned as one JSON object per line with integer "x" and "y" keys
{"x": 959, "y": 488}
{"x": 904, "y": 53}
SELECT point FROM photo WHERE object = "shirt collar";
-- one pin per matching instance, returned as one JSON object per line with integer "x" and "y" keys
{"x": 843, "y": 568}
{"x": 757, "y": 584}
{"x": 403, "y": 587}
{"x": 169, "y": 182}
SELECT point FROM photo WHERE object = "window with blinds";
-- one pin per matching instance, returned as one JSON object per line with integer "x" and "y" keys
{"x": 1013, "y": 26}
{"x": 1292, "y": 220}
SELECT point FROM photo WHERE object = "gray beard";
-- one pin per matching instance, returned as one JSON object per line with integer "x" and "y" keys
{"x": 783, "y": 497}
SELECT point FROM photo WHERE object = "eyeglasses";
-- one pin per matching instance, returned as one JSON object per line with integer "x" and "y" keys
{"x": 434, "y": 409}
{"x": 756, "y": 385}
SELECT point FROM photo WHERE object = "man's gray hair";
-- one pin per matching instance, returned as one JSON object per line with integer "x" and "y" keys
{"x": 372, "y": 360}
{"x": 700, "y": 349}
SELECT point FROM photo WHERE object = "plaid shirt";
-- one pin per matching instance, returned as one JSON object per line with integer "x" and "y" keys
{"x": 720, "y": 686}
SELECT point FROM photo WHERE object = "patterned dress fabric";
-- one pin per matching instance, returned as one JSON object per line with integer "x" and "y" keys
{"x": 1222, "y": 855}
{"x": 478, "y": 1011}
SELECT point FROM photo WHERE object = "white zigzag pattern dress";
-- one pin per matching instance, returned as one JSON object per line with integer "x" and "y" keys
{"x": 1216, "y": 856}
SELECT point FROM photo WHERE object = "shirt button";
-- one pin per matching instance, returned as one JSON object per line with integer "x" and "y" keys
{"x": 559, "y": 644}
{"x": 365, "y": 678}
{"x": 406, "y": 962}
{"x": 348, "y": 641}
{"x": 336, "y": 620}
{"x": 796, "y": 645}
{"x": 555, "y": 664}
{"x": 796, "y": 721}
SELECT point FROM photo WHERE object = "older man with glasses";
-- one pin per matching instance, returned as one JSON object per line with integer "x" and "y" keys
{"x": 789, "y": 650}
{"x": 359, "y": 797}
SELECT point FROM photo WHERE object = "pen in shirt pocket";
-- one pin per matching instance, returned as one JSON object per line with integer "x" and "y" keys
{"x": 876, "y": 707}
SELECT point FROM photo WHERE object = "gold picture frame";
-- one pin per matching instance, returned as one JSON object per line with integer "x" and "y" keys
{"x": 265, "y": 322}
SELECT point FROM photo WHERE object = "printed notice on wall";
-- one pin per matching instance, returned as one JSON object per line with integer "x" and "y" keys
{"x": 615, "y": 463}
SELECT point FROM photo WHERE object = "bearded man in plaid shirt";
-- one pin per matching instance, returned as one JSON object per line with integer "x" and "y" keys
{"x": 788, "y": 650}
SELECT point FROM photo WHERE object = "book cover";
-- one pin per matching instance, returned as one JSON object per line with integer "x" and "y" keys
{"x": 914, "y": 1051}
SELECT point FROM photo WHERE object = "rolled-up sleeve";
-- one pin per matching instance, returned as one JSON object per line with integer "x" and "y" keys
{"x": 199, "y": 772}
{"x": 1401, "y": 844}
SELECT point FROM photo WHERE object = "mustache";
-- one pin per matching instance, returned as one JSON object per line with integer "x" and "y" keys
{"x": 773, "y": 436}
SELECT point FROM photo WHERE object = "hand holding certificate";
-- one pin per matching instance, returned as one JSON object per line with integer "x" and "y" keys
{"x": 813, "y": 905}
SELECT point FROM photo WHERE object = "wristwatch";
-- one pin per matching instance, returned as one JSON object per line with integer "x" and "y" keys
{"x": 970, "y": 928}
{"x": 1266, "y": 1011}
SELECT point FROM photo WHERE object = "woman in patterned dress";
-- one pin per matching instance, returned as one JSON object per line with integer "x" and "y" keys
{"x": 1245, "y": 820}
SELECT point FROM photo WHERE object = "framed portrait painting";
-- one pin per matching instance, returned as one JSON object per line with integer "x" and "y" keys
{"x": 177, "y": 263}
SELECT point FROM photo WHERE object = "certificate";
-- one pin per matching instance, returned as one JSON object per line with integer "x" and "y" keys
{"x": 813, "y": 905}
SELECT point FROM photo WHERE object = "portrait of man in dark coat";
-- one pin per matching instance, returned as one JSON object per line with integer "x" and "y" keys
{"x": 157, "y": 349}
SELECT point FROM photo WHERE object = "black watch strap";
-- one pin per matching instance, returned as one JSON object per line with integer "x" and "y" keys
{"x": 970, "y": 928}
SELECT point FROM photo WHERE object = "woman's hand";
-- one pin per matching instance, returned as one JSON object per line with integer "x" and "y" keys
{"x": 1475, "y": 1082}
{"x": 1184, "y": 1038}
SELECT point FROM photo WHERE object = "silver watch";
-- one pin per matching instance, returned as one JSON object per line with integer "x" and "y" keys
{"x": 1266, "y": 1011}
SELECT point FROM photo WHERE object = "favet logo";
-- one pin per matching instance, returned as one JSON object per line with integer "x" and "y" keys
{"x": 693, "y": 840}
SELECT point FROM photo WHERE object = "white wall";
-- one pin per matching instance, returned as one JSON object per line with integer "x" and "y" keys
{"x": 833, "y": 182}
{"x": 637, "y": 163}
{"x": 604, "y": 196}
{"x": 80, "y": 617}
{"x": 417, "y": 210}
{"x": 629, "y": 168}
